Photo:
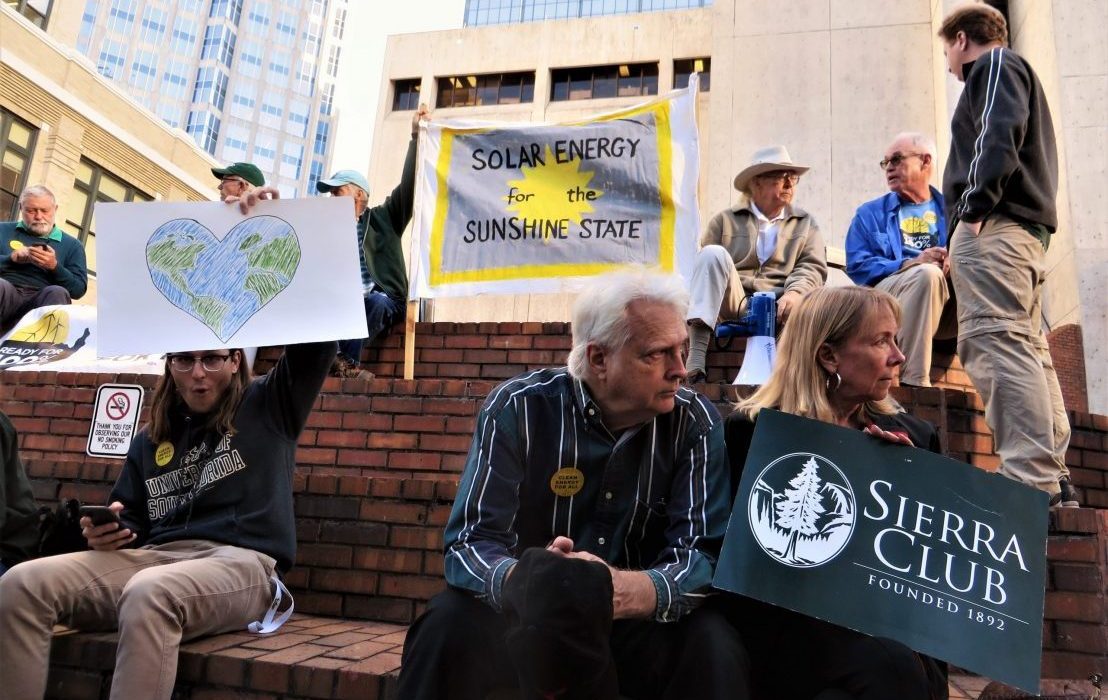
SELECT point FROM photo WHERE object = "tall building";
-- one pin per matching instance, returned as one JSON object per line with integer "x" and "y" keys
{"x": 64, "y": 126}
{"x": 484, "y": 12}
{"x": 833, "y": 81}
{"x": 249, "y": 80}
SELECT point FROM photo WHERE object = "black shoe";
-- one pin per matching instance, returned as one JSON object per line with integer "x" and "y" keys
{"x": 1066, "y": 496}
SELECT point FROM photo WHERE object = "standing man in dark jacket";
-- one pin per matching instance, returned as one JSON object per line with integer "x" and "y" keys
{"x": 39, "y": 264}
{"x": 1000, "y": 184}
{"x": 384, "y": 274}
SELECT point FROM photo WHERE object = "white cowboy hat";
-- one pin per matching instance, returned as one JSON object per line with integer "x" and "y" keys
{"x": 767, "y": 160}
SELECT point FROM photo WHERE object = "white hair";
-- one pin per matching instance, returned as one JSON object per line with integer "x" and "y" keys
{"x": 36, "y": 191}
{"x": 600, "y": 313}
{"x": 921, "y": 141}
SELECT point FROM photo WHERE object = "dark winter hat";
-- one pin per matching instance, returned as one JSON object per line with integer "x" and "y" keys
{"x": 247, "y": 171}
{"x": 560, "y": 624}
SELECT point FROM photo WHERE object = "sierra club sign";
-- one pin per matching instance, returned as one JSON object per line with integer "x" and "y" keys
{"x": 893, "y": 542}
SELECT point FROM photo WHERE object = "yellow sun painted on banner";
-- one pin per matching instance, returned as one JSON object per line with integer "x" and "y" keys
{"x": 51, "y": 328}
{"x": 551, "y": 191}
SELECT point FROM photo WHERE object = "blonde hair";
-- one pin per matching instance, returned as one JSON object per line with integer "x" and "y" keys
{"x": 799, "y": 383}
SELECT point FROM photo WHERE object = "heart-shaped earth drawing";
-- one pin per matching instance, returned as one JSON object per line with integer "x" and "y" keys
{"x": 223, "y": 283}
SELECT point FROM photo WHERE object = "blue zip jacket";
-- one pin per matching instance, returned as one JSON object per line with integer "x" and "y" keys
{"x": 874, "y": 248}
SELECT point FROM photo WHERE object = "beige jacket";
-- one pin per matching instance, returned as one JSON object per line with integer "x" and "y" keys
{"x": 799, "y": 263}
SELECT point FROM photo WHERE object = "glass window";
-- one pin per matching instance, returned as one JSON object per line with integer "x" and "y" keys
{"x": 242, "y": 103}
{"x": 144, "y": 69}
{"x": 592, "y": 82}
{"x": 250, "y": 59}
{"x": 17, "y": 140}
{"x": 203, "y": 126}
{"x": 321, "y": 131}
{"x": 271, "y": 115}
{"x": 259, "y": 17}
{"x": 112, "y": 57}
{"x": 265, "y": 152}
{"x": 121, "y": 17}
{"x": 279, "y": 69}
{"x": 170, "y": 112}
{"x": 333, "y": 61}
{"x": 226, "y": 9}
{"x": 38, "y": 11}
{"x": 485, "y": 12}
{"x": 175, "y": 80}
{"x": 327, "y": 100}
{"x": 286, "y": 29}
{"x": 685, "y": 67}
{"x": 292, "y": 155}
{"x": 297, "y": 124}
{"x": 315, "y": 173}
{"x": 153, "y": 26}
{"x": 405, "y": 94}
{"x": 184, "y": 38}
{"x": 94, "y": 184}
{"x": 88, "y": 23}
{"x": 492, "y": 89}
{"x": 339, "y": 25}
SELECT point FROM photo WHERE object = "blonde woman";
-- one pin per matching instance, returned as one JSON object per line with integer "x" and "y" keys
{"x": 836, "y": 361}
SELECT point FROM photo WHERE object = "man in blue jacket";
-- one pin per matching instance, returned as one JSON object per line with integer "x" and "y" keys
{"x": 897, "y": 243}
{"x": 39, "y": 264}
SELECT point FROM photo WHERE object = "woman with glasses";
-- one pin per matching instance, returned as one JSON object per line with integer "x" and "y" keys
{"x": 199, "y": 530}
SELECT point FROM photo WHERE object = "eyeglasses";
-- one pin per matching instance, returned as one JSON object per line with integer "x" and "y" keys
{"x": 231, "y": 180}
{"x": 782, "y": 176}
{"x": 898, "y": 159}
{"x": 185, "y": 363}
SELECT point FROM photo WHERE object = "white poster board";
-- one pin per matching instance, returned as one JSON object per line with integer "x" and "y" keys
{"x": 200, "y": 275}
{"x": 114, "y": 420}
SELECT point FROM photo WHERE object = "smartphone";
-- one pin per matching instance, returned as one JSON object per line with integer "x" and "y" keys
{"x": 100, "y": 515}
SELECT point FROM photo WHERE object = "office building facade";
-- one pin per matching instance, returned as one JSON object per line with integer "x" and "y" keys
{"x": 249, "y": 80}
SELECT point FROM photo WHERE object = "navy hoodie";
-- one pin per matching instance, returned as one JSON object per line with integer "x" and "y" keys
{"x": 233, "y": 489}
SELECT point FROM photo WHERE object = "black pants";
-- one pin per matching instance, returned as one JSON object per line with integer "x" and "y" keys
{"x": 456, "y": 650}
{"x": 801, "y": 658}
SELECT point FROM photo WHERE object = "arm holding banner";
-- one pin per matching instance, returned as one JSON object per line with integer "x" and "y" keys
{"x": 397, "y": 207}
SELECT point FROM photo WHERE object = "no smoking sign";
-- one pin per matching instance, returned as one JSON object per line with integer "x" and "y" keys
{"x": 114, "y": 420}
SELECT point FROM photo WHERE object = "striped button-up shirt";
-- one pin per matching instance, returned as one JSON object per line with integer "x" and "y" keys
{"x": 656, "y": 497}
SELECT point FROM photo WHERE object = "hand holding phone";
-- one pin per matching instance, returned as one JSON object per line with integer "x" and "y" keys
{"x": 100, "y": 515}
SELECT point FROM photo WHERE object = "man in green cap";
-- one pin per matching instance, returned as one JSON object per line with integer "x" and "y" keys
{"x": 237, "y": 179}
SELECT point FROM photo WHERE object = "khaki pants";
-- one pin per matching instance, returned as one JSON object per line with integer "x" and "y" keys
{"x": 716, "y": 290}
{"x": 925, "y": 314}
{"x": 998, "y": 277}
{"x": 156, "y": 596}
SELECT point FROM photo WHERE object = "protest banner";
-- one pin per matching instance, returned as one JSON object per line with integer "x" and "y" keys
{"x": 199, "y": 275}
{"x": 533, "y": 208}
{"x": 891, "y": 541}
{"x": 63, "y": 339}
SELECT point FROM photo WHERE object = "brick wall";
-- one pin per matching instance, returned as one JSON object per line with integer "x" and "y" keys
{"x": 1067, "y": 350}
{"x": 1075, "y": 624}
{"x": 378, "y": 464}
{"x": 498, "y": 351}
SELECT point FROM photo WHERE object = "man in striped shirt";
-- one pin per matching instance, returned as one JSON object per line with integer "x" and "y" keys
{"x": 1000, "y": 184}
{"x": 611, "y": 465}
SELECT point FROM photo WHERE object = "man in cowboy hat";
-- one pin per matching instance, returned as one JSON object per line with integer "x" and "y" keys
{"x": 764, "y": 244}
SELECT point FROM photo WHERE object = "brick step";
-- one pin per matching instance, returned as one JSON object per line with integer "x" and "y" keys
{"x": 497, "y": 351}
{"x": 309, "y": 657}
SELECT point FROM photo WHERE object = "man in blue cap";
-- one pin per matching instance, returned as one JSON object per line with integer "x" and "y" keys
{"x": 379, "y": 229}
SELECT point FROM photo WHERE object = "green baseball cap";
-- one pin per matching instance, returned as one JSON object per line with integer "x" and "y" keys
{"x": 247, "y": 171}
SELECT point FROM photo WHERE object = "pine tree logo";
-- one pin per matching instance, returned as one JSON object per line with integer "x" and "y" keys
{"x": 802, "y": 510}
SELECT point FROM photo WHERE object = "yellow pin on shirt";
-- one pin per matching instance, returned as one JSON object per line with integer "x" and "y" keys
{"x": 567, "y": 481}
{"x": 163, "y": 454}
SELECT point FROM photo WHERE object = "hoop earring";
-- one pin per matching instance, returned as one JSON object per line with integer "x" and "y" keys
{"x": 838, "y": 383}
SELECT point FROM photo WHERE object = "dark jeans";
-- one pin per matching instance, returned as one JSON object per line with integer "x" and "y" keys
{"x": 456, "y": 650}
{"x": 381, "y": 312}
{"x": 799, "y": 657}
{"x": 16, "y": 301}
